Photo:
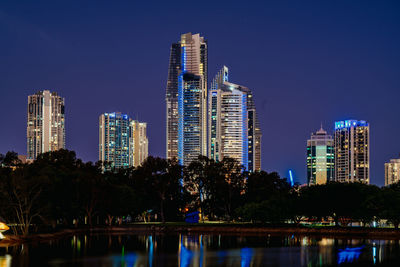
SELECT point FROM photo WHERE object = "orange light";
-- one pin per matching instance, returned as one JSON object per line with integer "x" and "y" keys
{"x": 3, "y": 227}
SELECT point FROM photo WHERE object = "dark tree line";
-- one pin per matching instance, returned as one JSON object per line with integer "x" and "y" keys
{"x": 60, "y": 190}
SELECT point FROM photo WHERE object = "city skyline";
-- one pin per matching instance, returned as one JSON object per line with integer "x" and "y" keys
{"x": 348, "y": 53}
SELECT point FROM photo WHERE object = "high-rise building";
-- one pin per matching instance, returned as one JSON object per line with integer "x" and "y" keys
{"x": 114, "y": 133}
{"x": 122, "y": 141}
{"x": 186, "y": 99}
{"x": 138, "y": 144}
{"x": 46, "y": 123}
{"x": 392, "y": 172}
{"x": 352, "y": 151}
{"x": 233, "y": 124}
{"x": 320, "y": 158}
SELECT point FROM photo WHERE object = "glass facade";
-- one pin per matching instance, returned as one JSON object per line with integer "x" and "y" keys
{"x": 122, "y": 141}
{"x": 190, "y": 126}
{"x": 187, "y": 99}
{"x": 320, "y": 158}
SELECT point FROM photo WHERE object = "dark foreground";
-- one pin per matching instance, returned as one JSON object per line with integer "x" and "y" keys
{"x": 204, "y": 245}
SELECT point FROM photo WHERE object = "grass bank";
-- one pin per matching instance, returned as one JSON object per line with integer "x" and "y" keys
{"x": 241, "y": 229}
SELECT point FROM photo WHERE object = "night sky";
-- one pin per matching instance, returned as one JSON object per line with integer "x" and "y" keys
{"x": 307, "y": 62}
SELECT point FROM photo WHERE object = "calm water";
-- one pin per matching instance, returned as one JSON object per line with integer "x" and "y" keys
{"x": 202, "y": 250}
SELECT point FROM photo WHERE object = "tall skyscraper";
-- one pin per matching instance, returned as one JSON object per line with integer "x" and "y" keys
{"x": 352, "y": 151}
{"x": 122, "y": 141}
{"x": 46, "y": 123}
{"x": 392, "y": 172}
{"x": 186, "y": 99}
{"x": 233, "y": 124}
{"x": 320, "y": 158}
{"x": 138, "y": 144}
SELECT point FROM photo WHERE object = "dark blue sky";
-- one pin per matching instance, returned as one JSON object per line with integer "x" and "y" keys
{"x": 307, "y": 62}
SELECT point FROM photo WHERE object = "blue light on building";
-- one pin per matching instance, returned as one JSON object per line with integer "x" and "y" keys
{"x": 349, "y": 123}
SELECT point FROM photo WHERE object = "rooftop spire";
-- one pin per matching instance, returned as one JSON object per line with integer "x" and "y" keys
{"x": 321, "y": 131}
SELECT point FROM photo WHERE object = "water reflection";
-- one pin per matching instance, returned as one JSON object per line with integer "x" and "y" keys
{"x": 5, "y": 261}
{"x": 349, "y": 255}
{"x": 200, "y": 250}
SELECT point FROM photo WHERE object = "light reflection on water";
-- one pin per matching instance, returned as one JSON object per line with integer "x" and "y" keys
{"x": 201, "y": 250}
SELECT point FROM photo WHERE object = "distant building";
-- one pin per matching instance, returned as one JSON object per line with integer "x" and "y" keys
{"x": 138, "y": 144}
{"x": 352, "y": 151}
{"x": 392, "y": 172}
{"x": 122, "y": 141}
{"x": 45, "y": 124}
{"x": 24, "y": 160}
{"x": 186, "y": 99}
{"x": 233, "y": 126}
{"x": 320, "y": 158}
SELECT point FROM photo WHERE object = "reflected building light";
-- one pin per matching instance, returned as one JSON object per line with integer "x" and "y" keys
{"x": 326, "y": 242}
{"x": 5, "y": 261}
{"x": 349, "y": 255}
{"x": 185, "y": 255}
{"x": 374, "y": 253}
{"x": 129, "y": 259}
{"x": 151, "y": 250}
{"x": 246, "y": 255}
{"x": 201, "y": 251}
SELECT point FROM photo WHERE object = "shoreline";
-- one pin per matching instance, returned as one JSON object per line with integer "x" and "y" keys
{"x": 210, "y": 229}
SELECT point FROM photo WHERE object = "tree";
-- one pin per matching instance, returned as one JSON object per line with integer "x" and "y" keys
{"x": 21, "y": 193}
{"x": 10, "y": 159}
{"x": 161, "y": 179}
{"x": 268, "y": 198}
{"x": 199, "y": 178}
{"x": 391, "y": 204}
{"x": 230, "y": 185}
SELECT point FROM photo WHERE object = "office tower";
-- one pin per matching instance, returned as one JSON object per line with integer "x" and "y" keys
{"x": 320, "y": 158}
{"x": 233, "y": 124}
{"x": 138, "y": 144}
{"x": 172, "y": 101}
{"x": 122, "y": 141}
{"x": 46, "y": 123}
{"x": 352, "y": 151}
{"x": 114, "y": 132}
{"x": 254, "y": 134}
{"x": 392, "y": 172}
{"x": 186, "y": 99}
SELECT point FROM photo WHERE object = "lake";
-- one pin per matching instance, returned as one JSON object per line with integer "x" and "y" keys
{"x": 202, "y": 250}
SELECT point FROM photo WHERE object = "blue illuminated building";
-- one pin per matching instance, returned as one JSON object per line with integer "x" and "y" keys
{"x": 122, "y": 141}
{"x": 186, "y": 99}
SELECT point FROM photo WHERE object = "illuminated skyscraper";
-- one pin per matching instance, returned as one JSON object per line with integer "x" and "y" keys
{"x": 392, "y": 172}
{"x": 352, "y": 151}
{"x": 45, "y": 125}
{"x": 186, "y": 99}
{"x": 122, "y": 141}
{"x": 138, "y": 143}
{"x": 320, "y": 158}
{"x": 233, "y": 124}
